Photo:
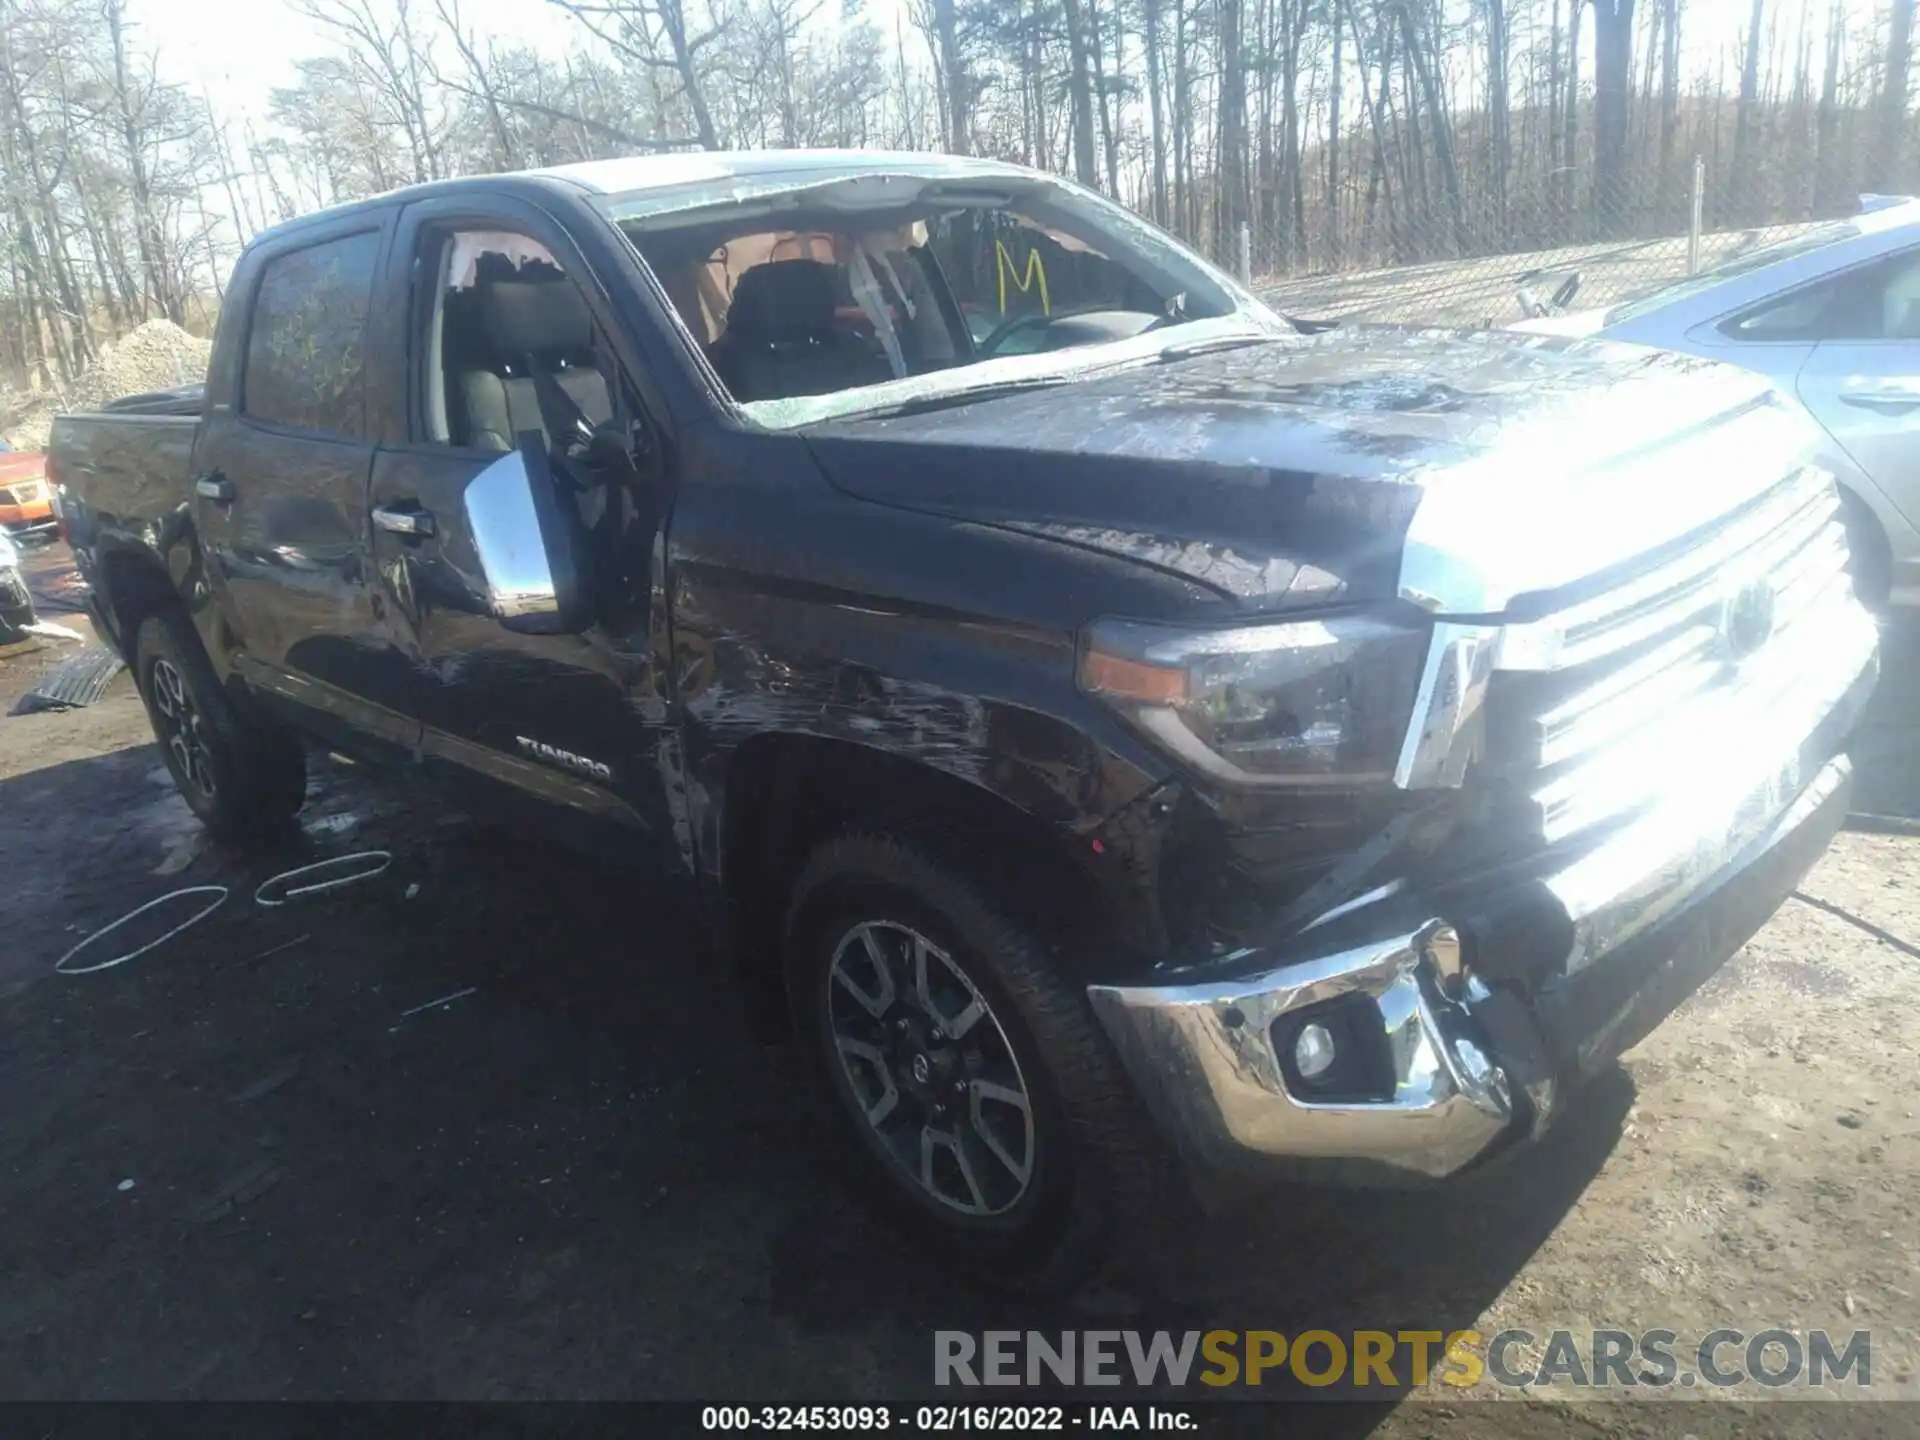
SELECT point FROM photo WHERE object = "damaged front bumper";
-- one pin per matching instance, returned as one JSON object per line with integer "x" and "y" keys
{"x": 1472, "y": 1008}
{"x": 1471, "y": 1065}
{"x": 1211, "y": 1061}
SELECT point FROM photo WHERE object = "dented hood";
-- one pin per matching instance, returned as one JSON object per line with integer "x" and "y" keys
{"x": 1300, "y": 471}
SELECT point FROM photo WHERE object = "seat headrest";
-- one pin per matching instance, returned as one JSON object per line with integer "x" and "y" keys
{"x": 783, "y": 300}
{"x": 540, "y": 317}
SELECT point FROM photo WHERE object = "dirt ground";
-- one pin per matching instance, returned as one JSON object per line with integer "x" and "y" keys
{"x": 261, "y": 1162}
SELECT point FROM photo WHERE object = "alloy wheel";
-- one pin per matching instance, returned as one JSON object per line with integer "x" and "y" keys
{"x": 929, "y": 1069}
{"x": 180, "y": 721}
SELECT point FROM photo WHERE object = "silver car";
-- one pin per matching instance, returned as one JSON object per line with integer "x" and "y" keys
{"x": 16, "y": 601}
{"x": 1833, "y": 317}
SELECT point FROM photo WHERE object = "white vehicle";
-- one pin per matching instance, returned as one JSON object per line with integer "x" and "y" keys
{"x": 1833, "y": 317}
{"x": 16, "y": 601}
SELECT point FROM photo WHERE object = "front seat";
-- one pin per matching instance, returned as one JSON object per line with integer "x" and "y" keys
{"x": 533, "y": 327}
{"x": 781, "y": 339}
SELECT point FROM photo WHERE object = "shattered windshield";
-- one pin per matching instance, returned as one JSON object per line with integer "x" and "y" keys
{"x": 820, "y": 296}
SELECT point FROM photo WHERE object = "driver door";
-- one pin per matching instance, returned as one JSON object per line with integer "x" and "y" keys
{"x": 504, "y": 342}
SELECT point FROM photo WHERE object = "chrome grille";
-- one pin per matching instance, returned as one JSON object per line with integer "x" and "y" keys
{"x": 1597, "y": 707}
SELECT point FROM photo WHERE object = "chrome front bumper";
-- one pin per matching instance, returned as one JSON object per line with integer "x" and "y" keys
{"x": 1204, "y": 1059}
{"x": 1658, "y": 904}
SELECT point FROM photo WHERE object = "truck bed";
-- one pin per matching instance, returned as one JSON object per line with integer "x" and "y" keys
{"x": 123, "y": 478}
{"x": 180, "y": 400}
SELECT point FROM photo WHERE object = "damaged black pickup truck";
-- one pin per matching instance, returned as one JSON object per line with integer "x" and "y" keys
{"x": 1102, "y": 722}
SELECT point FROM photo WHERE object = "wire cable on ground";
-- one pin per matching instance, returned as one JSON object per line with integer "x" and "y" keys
{"x": 219, "y": 892}
{"x": 380, "y": 860}
{"x": 1905, "y": 947}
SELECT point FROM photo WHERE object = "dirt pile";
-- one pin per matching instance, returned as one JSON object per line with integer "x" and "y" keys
{"x": 157, "y": 355}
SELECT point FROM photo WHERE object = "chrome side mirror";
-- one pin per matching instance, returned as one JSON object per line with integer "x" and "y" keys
{"x": 528, "y": 544}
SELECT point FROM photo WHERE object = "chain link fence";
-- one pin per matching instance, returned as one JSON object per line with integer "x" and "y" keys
{"x": 1460, "y": 250}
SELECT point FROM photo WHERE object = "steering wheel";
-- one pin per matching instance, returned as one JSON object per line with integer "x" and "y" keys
{"x": 1000, "y": 333}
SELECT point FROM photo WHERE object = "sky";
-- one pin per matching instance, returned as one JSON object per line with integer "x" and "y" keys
{"x": 240, "y": 50}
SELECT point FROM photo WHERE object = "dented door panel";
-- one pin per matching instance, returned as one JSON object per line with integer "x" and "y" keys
{"x": 563, "y": 729}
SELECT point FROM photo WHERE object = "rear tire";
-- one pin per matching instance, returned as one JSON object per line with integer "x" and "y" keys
{"x": 241, "y": 775}
{"x": 976, "y": 1097}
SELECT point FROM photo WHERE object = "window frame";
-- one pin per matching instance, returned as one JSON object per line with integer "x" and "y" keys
{"x": 423, "y": 327}
{"x": 1834, "y": 280}
{"x": 432, "y": 362}
{"x": 429, "y": 305}
{"x": 376, "y": 224}
{"x": 428, "y": 222}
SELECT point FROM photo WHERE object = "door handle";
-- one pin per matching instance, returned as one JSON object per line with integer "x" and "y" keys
{"x": 412, "y": 521}
{"x": 1893, "y": 402}
{"x": 214, "y": 486}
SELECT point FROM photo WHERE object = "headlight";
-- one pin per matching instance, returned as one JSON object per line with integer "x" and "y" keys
{"x": 1304, "y": 702}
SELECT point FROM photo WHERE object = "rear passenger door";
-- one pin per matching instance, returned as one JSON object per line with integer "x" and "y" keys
{"x": 280, "y": 483}
{"x": 565, "y": 728}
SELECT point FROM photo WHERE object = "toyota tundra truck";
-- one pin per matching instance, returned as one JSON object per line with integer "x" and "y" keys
{"x": 1098, "y": 721}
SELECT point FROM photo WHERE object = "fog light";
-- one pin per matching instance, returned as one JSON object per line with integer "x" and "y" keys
{"x": 1313, "y": 1051}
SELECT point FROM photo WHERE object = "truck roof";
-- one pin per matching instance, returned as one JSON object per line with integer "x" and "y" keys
{"x": 653, "y": 172}
{"x": 688, "y": 169}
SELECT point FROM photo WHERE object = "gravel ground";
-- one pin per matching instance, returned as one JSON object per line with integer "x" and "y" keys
{"x": 262, "y": 1162}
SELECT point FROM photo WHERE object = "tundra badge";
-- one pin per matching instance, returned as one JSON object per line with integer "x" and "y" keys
{"x": 554, "y": 755}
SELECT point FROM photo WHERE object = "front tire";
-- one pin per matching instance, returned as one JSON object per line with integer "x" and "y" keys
{"x": 241, "y": 776}
{"x": 978, "y": 1100}
{"x": 1869, "y": 554}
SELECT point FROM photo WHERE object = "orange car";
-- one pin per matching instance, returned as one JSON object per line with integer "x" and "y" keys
{"x": 26, "y": 499}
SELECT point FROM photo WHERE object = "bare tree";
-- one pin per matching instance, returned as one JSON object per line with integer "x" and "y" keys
{"x": 1347, "y": 133}
{"x": 393, "y": 56}
{"x": 1152, "y": 22}
{"x": 482, "y": 82}
{"x": 1668, "y": 183}
{"x": 661, "y": 36}
{"x": 1893, "y": 96}
{"x": 131, "y": 96}
{"x": 1425, "y": 69}
{"x": 1612, "y": 75}
{"x": 1336, "y": 84}
{"x": 1080, "y": 91}
{"x": 1745, "y": 118}
{"x": 1231, "y": 207}
{"x": 1499, "y": 111}
{"x": 940, "y": 20}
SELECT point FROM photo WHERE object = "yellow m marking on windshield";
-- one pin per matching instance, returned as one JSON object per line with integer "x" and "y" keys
{"x": 1005, "y": 269}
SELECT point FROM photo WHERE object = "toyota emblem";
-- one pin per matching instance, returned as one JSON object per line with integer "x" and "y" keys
{"x": 1746, "y": 620}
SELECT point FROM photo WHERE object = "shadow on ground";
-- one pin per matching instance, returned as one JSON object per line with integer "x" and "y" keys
{"x": 262, "y": 1162}
{"x": 579, "y": 1180}
{"x": 1886, "y": 759}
